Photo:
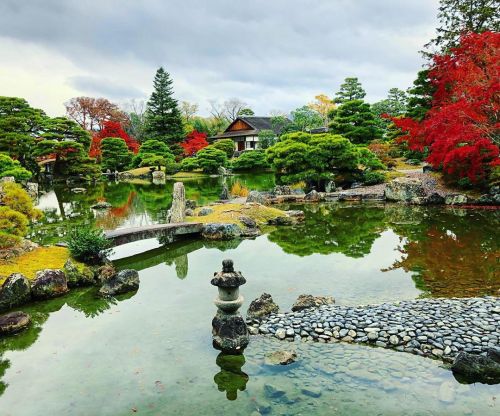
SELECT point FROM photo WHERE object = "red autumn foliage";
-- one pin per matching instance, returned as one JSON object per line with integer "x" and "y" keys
{"x": 461, "y": 128}
{"x": 195, "y": 141}
{"x": 112, "y": 129}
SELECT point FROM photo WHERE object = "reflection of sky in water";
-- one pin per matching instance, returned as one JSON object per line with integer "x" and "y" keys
{"x": 152, "y": 352}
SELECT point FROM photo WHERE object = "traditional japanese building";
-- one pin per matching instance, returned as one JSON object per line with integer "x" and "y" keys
{"x": 244, "y": 131}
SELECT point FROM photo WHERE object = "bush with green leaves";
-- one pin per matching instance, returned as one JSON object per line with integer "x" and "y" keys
{"x": 373, "y": 177}
{"x": 115, "y": 154}
{"x": 210, "y": 159}
{"x": 251, "y": 160}
{"x": 88, "y": 244}
{"x": 153, "y": 153}
{"x": 189, "y": 164}
{"x": 266, "y": 139}
{"x": 318, "y": 157}
{"x": 226, "y": 145}
{"x": 10, "y": 167}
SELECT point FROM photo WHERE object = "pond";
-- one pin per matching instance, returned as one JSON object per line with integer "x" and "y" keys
{"x": 150, "y": 352}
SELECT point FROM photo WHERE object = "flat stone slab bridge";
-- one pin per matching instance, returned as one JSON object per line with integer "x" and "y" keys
{"x": 167, "y": 232}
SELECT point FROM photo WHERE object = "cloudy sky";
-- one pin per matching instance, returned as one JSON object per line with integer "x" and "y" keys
{"x": 272, "y": 54}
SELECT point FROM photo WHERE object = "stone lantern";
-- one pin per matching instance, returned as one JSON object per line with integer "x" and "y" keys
{"x": 229, "y": 329}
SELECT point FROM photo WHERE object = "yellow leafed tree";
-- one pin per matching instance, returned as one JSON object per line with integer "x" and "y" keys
{"x": 323, "y": 105}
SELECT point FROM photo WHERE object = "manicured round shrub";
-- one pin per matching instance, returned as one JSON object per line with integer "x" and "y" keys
{"x": 13, "y": 222}
{"x": 16, "y": 198}
{"x": 251, "y": 160}
{"x": 210, "y": 159}
{"x": 10, "y": 167}
{"x": 373, "y": 178}
{"x": 226, "y": 145}
{"x": 189, "y": 164}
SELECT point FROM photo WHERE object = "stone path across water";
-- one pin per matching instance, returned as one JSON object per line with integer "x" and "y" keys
{"x": 439, "y": 328}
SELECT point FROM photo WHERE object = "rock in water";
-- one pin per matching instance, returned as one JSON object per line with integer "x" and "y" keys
{"x": 478, "y": 368}
{"x": 224, "y": 195}
{"x": 178, "y": 209}
{"x": 13, "y": 322}
{"x": 280, "y": 358}
{"x": 409, "y": 190}
{"x": 158, "y": 177}
{"x": 15, "y": 291}
{"x": 122, "y": 282}
{"x": 262, "y": 306}
{"x": 101, "y": 205}
{"x": 255, "y": 196}
{"x": 282, "y": 190}
{"x": 456, "y": 199}
{"x": 313, "y": 196}
{"x": 309, "y": 301}
{"x": 78, "y": 275}
{"x": 49, "y": 283}
{"x": 220, "y": 231}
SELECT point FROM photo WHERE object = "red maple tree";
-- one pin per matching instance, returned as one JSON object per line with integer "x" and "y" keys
{"x": 111, "y": 129}
{"x": 461, "y": 128}
{"x": 195, "y": 141}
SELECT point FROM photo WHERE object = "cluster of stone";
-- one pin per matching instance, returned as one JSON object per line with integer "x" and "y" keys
{"x": 440, "y": 328}
{"x": 416, "y": 190}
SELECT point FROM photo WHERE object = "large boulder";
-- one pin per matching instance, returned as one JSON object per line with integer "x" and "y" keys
{"x": 455, "y": 199}
{"x": 478, "y": 368}
{"x": 78, "y": 274}
{"x": 410, "y": 190}
{"x": 262, "y": 306}
{"x": 15, "y": 291}
{"x": 313, "y": 196}
{"x": 218, "y": 231}
{"x": 49, "y": 283}
{"x": 282, "y": 190}
{"x": 256, "y": 196}
{"x": 309, "y": 301}
{"x": 13, "y": 322}
{"x": 122, "y": 282}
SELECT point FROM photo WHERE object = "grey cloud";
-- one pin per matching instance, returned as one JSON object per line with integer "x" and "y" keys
{"x": 222, "y": 48}
{"x": 104, "y": 87}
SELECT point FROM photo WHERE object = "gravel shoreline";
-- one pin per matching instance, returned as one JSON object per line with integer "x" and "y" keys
{"x": 438, "y": 328}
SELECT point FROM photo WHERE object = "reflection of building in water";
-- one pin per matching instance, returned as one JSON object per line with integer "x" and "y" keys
{"x": 181, "y": 266}
{"x": 231, "y": 379}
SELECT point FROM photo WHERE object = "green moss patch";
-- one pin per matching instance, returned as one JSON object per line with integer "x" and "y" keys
{"x": 230, "y": 214}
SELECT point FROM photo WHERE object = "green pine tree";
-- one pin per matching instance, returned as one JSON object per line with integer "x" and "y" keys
{"x": 163, "y": 118}
{"x": 355, "y": 121}
{"x": 350, "y": 90}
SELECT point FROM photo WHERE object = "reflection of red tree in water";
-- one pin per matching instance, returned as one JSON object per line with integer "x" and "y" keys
{"x": 114, "y": 217}
{"x": 445, "y": 268}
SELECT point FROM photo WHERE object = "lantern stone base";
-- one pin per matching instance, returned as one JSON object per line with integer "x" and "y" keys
{"x": 230, "y": 333}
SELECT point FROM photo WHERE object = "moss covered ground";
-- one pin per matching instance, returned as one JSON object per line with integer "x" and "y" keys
{"x": 29, "y": 263}
{"x": 230, "y": 213}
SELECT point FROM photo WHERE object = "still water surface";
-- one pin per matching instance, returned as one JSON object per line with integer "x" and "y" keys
{"x": 150, "y": 352}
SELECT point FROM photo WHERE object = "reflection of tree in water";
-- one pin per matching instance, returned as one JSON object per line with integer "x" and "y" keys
{"x": 181, "y": 266}
{"x": 453, "y": 252}
{"x": 335, "y": 228}
{"x": 84, "y": 300}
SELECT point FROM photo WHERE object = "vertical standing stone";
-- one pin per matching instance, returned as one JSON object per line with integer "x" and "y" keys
{"x": 229, "y": 329}
{"x": 224, "y": 195}
{"x": 177, "y": 212}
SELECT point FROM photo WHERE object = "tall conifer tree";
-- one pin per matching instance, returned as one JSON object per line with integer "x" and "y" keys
{"x": 163, "y": 118}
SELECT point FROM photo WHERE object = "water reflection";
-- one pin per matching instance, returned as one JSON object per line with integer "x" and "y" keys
{"x": 134, "y": 203}
{"x": 231, "y": 378}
